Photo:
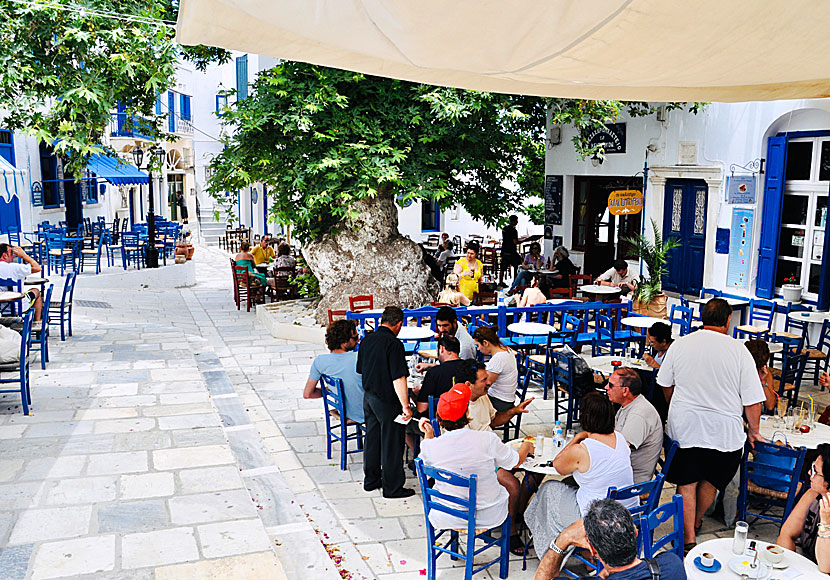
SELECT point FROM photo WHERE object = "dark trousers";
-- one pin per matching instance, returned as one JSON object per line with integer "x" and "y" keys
{"x": 384, "y": 444}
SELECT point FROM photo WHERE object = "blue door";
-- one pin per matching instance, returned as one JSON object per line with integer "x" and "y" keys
{"x": 685, "y": 220}
{"x": 9, "y": 210}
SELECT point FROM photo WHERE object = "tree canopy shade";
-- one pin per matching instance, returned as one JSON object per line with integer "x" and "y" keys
{"x": 64, "y": 68}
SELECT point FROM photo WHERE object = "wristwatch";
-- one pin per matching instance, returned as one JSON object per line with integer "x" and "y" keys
{"x": 556, "y": 548}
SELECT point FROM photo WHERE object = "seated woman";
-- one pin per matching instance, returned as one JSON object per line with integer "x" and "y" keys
{"x": 659, "y": 338}
{"x": 533, "y": 261}
{"x": 598, "y": 458}
{"x": 760, "y": 354}
{"x": 469, "y": 270}
{"x": 536, "y": 294}
{"x": 284, "y": 260}
{"x": 467, "y": 452}
{"x": 502, "y": 370}
{"x": 451, "y": 294}
{"x": 805, "y": 526}
{"x": 245, "y": 258}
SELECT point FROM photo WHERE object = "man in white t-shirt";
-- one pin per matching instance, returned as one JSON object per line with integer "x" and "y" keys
{"x": 715, "y": 384}
{"x": 11, "y": 270}
{"x": 620, "y": 276}
{"x": 637, "y": 420}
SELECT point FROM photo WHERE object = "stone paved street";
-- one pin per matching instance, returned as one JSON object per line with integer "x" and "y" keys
{"x": 169, "y": 439}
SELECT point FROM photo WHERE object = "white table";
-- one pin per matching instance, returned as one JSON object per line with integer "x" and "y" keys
{"x": 33, "y": 281}
{"x": 538, "y": 464}
{"x": 416, "y": 333}
{"x": 811, "y": 317}
{"x": 597, "y": 289}
{"x": 9, "y": 296}
{"x": 602, "y": 364}
{"x": 731, "y": 301}
{"x": 642, "y": 321}
{"x": 561, "y": 300}
{"x": 818, "y": 434}
{"x": 531, "y": 328}
{"x": 721, "y": 549}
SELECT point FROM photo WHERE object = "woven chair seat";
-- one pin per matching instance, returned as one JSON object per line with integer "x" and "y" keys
{"x": 788, "y": 334}
{"x": 752, "y": 329}
{"x": 774, "y": 493}
{"x": 538, "y": 358}
{"x": 815, "y": 354}
{"x": 58, "y": 252}
{"x": 89, "y": 252}
{"x": 130, "y": 248}
{"x": 787, "y": 386}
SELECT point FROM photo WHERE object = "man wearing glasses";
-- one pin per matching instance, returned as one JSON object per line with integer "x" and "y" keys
{"x": 341, "y": 339}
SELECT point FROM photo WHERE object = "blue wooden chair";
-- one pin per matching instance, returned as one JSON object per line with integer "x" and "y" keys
{"x": 59, "y": 253}
{"x": 40, "y": 336}
{"x": 819, "y": 353}
{"x": 92, "y": 255}
{"x": 653, "y": 487}
{"x": 21, "y": 367}
{"x": 759, "y": 325}
{"x": 537, "y": 367}
{"x": 433, "y": 415}
{"x": 682, "y": 316}
{"x": 669, "y": 449}
{"x": 562, "y": 381}
{"x": 62, "y": 312}
{"x": 516, "y": 420}
{"x": 603, "y": 342}
{"x": 462, "y": 506}
{"x": 792, "y": 372}
{"x": 770, "y": 477}
{"x": 333, "y": 398}
{"x": 132, "y": 251}
{"x": 651, "y": 521}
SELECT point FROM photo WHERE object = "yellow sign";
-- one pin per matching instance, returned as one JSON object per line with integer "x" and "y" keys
{"x": 625, "y": 202}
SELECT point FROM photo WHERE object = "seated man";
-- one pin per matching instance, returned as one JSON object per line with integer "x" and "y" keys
{"x": 468, "y": 452}
{"x": 563, "y": 266}
{"x": 609, "y": 533}
{"x": 10, "y": 270}
{"x": 444, "y": 253}
{"x": 619, "y": 276}
{"x": 263, "y": 253}
{"x": 446, "y": 322}
{"x": 483, "y": 416}
{"x": 341, "y": 362}
{"x": 440, "y": 378}
{"x": 637, "y": 420}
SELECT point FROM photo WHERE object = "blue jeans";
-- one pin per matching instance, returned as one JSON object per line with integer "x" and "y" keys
{"x": 523, "y": 278}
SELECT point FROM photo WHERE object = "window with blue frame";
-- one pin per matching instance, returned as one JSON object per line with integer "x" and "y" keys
{"x": 158, "y": 105}
{"x": 184, "y": 107}
{"x": 49, "y": 175}
{"x": 171, "y": 111}
{"x": 430, "y": 216}
{"x": 241, "y": 77}
{"x": 221, "y": 104}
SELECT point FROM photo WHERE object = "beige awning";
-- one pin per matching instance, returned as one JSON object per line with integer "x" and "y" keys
{"x": 650, "y": 50}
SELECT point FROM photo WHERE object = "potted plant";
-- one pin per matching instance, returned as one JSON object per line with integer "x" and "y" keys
{"x": 791, "y": 290}
{"x": 648, "y": 298}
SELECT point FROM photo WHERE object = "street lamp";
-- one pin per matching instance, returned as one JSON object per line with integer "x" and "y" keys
{"x": 138, "y": 156}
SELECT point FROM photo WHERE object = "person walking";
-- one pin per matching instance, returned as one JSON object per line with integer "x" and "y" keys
{"x": 510, "y": 257}
{"x": 710, "y": 382}
{"x": 381, "y": 361}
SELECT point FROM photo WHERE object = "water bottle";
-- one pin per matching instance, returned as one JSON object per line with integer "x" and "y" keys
{"x": 558, "y": 436}
{"x": 501, "y": 297}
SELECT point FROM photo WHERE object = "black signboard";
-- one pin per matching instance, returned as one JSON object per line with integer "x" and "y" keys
{"x": 553, "y": 203}
{"x": 37, "y": 194}
{"x": 611, "y": 137}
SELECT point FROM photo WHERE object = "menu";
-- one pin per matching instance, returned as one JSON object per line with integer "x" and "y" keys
{"x": 740, "y": 248}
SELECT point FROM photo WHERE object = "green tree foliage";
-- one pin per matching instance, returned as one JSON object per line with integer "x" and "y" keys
{"x": 64, "y": 67}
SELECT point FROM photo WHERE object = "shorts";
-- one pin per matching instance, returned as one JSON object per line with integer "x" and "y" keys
{"x": 694, "y": 464}
{"x": 500, "y": 405}
{"x": 510, "y": 260}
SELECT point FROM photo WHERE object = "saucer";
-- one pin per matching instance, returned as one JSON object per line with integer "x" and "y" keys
{"x": 784, "y": 563}
{"x": 741, "y": 565}
{"x": 713, "y": 568}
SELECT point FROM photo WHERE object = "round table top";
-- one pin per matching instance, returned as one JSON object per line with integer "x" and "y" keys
{"x": 561, "y": 300}
{"x": 721, "y": 549}
{"x": 603, "y": 364}
{"x": 531, "y": 328}
{"x": 730, "y": 301}
{"x": 818, "y": 434}
{"x": 34, "y": 281}
{"x": 7, "y": 296}
{"x": 537, "y": 464}
{"x": 814, "y": 317}
{"x": 641, "y": 321}
{"x": 415, "y": 333}
{"x": 597, "y": 289}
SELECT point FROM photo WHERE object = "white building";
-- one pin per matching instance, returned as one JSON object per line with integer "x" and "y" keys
{"x": 744, "y": 186}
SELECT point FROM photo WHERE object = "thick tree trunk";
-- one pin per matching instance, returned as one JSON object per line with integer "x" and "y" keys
{"x": 371, "y": 257}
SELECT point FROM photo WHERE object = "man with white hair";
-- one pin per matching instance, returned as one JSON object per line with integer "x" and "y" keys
{"x": 563, "y": 266}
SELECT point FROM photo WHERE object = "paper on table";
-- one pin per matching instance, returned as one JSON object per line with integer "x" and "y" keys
{"x": 786, "y": 574}
{"x": 401, "y": 420}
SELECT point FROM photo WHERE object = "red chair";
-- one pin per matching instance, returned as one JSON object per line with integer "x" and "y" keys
{"x": 283, "y": 286}
{"x": 247, "y": 291}
{"x": 336, "y": 313}
{"x": 361, "y": 302}
{"x": 561, "y": 293}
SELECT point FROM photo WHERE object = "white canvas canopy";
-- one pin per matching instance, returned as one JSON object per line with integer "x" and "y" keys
{"x": 649, "y": 50}
{"x": 10, "y": 176}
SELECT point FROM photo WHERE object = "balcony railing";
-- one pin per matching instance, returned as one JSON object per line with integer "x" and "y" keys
{"x": 124, "y": 125}
{"x": 184, "y": 126}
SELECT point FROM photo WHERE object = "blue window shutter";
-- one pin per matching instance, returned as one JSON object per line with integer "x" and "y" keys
{"x": 184, "y": 107}
{"x": 242, "y": 77}
{"x": 158, "y": 105}
{"x": 771, "y": 216}
{"x": 187, "y": 107}
{"x": 171, "y": 111}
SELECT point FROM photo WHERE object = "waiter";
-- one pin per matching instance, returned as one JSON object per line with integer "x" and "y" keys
{"x": 382, "y": 363}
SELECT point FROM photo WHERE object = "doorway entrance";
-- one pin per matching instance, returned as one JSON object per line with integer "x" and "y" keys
{"x": 684, "y": 219}
{"x": 596, "y": 232}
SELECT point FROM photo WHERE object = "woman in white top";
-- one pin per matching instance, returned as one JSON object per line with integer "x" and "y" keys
{"x": 451, "y": 294}
{"x": 502, "y": 371}
{"x": 536, "y": 294}
{"x": 598, "y": 458}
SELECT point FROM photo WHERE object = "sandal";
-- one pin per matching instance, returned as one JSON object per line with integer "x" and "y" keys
{"x": 688, "y": 548}
{"x": 517, "y": 546}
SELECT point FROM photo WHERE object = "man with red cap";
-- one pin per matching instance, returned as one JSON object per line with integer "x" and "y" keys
{"x": 467, "y": 452}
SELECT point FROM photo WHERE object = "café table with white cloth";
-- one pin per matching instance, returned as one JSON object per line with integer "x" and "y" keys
{"x": 819, "y": 433}
{"x": 814, "y": 320}
{"x": 642, "y": 321}
{"x": 602, "y": 364}
{"x": 542, "y": 456}
{"x": 721, "y": 548}
{"x": 416, "y": 333}
{"x": 737, "y": 304}
{"x": 597, "y": 289}
{"x": 531, "y": 328}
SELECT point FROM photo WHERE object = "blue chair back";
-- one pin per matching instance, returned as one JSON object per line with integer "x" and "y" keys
{"x": 682, "y": 316}
{"x": 794, "y": 325}
{"x": 333, "y": 398}
{"x": 710, "y": 292}
{"x": 770, "y": 474}
{"x": 652, "y": 487}
{"x": 761, "y": 312}
{"x": 433, "y": 415}
{"x": 651, "y": 521}
{"x": 669, "y": 449}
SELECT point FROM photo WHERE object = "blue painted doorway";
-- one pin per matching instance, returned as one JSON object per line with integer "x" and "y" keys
{"x": 684, "y": 218}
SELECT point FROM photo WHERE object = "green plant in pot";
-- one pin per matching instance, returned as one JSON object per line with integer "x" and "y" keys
{"x": 647, "y": 297}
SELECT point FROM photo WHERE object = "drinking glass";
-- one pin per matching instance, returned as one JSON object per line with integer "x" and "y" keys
{"x": 739, "y": 540}
{"x": 782, "y": 409}
{"x": 790, "y": 421}
{"x": 570, "y": 434}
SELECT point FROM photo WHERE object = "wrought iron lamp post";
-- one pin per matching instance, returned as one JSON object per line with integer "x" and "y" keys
{"x": 152, "y": 252}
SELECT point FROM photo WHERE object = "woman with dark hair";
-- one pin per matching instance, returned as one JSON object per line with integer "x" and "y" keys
{"x": 245, "y": 258}
{"x": 808, "y": 525}
{"x": 536, "y": 294}
{"x": 502, "y": 370}
{"x": 598, "y": 458}
{"x": 534, "y": 260}
{"x": 659, "y": 338}
{"x": 469, "y": 270}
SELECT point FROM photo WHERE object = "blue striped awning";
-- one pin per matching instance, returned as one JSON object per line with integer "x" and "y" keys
{"x": 116, "y": 171}
{"x": 9, "y": 177}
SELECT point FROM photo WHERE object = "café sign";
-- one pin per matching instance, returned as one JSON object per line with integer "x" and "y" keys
{"x": 625, "y": 202}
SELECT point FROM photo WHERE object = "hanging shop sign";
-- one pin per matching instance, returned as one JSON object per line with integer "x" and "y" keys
{"x": 740, "y": 248}
{"x": 740, "y": 189}
{"x": 611, "y": 138}
{"x": 625, "y": 202}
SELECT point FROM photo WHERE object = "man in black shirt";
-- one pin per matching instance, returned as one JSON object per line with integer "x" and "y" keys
{"x": 440, "y": 378}
{"x": 563, "y": 266}
{"x": 382, "y": 363}
{"x": 509, "y": 253}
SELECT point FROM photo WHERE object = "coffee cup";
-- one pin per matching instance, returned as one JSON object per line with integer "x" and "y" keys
{"x": 773, "y": 554}
{"x": 707, "y": 560}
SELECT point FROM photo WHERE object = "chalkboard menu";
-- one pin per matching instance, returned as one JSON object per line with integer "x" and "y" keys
{"x": 553, "y": 200}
